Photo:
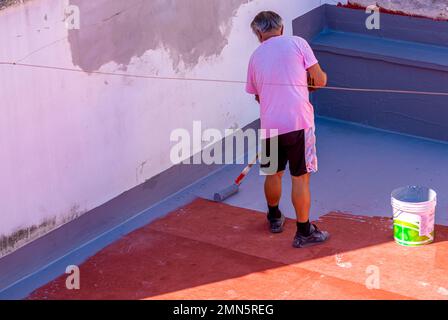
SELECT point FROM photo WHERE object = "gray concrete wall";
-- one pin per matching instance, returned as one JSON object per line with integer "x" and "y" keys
{"x": 356, "y": 62}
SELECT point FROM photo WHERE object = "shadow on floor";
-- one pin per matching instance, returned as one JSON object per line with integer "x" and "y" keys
{"x": 215, "y": 251}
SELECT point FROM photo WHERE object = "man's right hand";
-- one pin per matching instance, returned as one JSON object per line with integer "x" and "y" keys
{"x": 311, "y": 85}
{"x": 317, "y": 78}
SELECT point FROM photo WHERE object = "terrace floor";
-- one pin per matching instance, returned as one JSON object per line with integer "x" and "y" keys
{"x": 206, "y": 250}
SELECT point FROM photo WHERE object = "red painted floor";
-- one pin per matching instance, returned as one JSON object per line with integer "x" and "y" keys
{"x": 214, "y": 251}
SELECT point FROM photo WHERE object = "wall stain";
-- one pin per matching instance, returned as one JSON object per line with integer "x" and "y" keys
{"x": 139, "y": 171}
{"x": 7, "y": 3}
{"x": 20, "y": 237}
{"x": 117, "y": 30}
{"x": 12, "y": 242}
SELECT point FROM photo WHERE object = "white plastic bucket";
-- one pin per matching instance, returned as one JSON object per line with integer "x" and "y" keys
{"x": 414, "y": 215}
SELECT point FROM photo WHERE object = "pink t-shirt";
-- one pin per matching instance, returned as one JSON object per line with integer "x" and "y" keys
{"x": 278, "y": 74}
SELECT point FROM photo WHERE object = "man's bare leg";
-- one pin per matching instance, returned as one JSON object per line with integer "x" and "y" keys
{"x": 301, "y": 197}
{"x": 273, "y": 193}
{"x": 273, "y": 189}
{"x": 307, "y": 234}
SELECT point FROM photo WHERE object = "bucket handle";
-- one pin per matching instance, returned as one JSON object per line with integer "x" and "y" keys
{"x": 399, "y": 214}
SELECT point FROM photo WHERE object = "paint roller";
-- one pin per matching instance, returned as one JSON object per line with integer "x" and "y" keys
{"x": 234, "y": 188}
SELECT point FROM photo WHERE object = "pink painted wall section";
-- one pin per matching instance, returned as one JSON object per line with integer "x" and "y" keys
{"x": 71, "y": 141}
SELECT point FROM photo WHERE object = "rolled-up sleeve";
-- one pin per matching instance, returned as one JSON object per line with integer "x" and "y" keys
{"x": 308, "y": 55}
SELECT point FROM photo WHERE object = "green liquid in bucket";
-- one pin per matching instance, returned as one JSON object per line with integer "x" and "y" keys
{"x": 414, "y": 212}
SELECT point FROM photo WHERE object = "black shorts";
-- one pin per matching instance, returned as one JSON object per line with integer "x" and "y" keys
{"x": 298, "y": 148}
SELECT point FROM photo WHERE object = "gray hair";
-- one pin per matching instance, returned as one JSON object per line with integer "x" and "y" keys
{"x": 266, "y": 21}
